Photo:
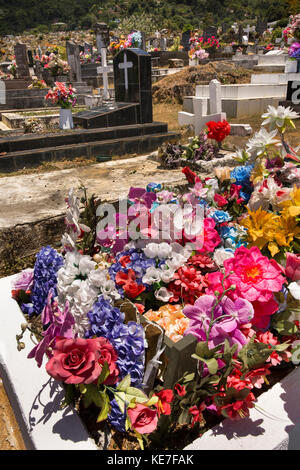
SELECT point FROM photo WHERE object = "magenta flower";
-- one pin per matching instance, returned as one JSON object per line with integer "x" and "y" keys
{"x": 141, "y": 197}
{"x": 236, "y": 313}
{"x": 60, "y": 325}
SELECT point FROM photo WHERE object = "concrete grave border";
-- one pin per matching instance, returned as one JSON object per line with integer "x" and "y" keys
{"x": 35, "y": 401}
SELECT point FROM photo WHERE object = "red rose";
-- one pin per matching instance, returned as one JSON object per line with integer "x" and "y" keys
{"x": 133, "y": 290}
{"x": 109, "y": 355}
{"x": 218, "y": 130}
{"x": 77, "y": 361}
{"x": 143, "y": 419}
{"x": 189, "y": 174}
{"x": 140, "y": 307}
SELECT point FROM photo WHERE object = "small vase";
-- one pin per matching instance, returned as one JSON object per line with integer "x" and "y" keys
{"x": 66, "y": 119}
{"x": 291, "y": 66}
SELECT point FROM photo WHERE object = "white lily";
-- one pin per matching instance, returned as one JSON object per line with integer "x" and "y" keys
{"x": 261, "y": 141}
{"x": 279, "y": 117}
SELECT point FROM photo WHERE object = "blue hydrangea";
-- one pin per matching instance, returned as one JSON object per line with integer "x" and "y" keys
{"x": 48, "y": 262}
{"x": 128, "y": 340}
{"x": 117, "y": 418}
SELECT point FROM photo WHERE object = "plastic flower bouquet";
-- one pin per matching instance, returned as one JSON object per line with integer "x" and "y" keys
{"x": 61, "y": 95}
{"x": 13, "y": 69}
{"x": 294, "y": 51}
{"x": 215, "y": 261}
{"x": 57, "y": 66}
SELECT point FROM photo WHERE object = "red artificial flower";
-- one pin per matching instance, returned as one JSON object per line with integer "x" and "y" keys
{"x": 196, "y": 412}
{"x": 124, "y": 260}
{"x": 133, "y": 289}
{"x": 142, "y": 419}
{"x": 188, "y": 285}
{"x": 218, "y": 130}
{"x": 239, "y": 408}
{"x": 220, "y": 200}
{"x": 123, "y": 278}
{"x": 202, "y": 261}
{"x": 165, "y": 397}
{"x": 189, "y": 174}
{"x": 180, "y": 389}
{"x": 140, "y": 307}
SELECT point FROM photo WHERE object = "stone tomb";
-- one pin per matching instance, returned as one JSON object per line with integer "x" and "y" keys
{"x": 133, "y": 93}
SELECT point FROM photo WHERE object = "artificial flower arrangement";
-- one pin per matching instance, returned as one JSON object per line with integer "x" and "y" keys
{"x": 38, "y": 83}
{"x": 89, "y": 59}
{"x": 57, "y": 66}
{"x": 231, "y": 279}
{"x": 44, "y": 59}
{"x": 62, "y": 95}
{"x": 294, "y": 51}
{"x": 203, "y": 147}
{"x": 133, "y": 40}
{"x": 200, "y": 48}
{"x": 13, "y": 69}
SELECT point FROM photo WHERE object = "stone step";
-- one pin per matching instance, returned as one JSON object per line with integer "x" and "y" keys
{"x": 119, "y": 146}
{"x": 78, "y": 136}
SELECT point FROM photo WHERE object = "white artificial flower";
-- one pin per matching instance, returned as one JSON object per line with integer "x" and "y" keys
{"x": 294, "y": 289}
{"x": 163, "y": 294}
{"x": 167, "y": 275}
{"x": 164, "y": 250}
{"x": 109, "y": 291}
{"x": 151, "y": 275}
{"x": 151, "y": 250}
{"x": 221, "y": 254}
{"x": 261, "y": 140}
{"x": 97, "y": 277}
{"x": 176, "y": 261}
{"x": 277, "y": 117}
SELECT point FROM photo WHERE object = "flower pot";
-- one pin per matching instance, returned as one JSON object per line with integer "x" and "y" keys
{"x": 193, "y": 62}
{"x": 291, "y": 66}
{"x": 66, "y": 119}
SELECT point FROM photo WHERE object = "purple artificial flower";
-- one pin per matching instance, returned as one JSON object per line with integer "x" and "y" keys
{"x": 24, "y": 280}
{"x": 294, "y": 50}
{"x": 59, "y": 324}
{"x": 141, "y": 197}
{"x": 236, "y": 313}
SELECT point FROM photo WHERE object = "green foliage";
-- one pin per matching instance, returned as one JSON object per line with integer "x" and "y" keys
{"x": 174, "y": 15}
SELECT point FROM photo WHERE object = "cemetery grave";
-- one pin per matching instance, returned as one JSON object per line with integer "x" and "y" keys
{"x": 192, "y": 318}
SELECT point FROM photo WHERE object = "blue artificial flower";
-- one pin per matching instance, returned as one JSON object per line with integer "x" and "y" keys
{"x": 242, "y": 174}
{"x": 48, "y": 262}
{"x": 128, "y": 340}
{"x": 220, "y": 217}
{"x": 153, "y": 187}
{"x": 116, "y": 418}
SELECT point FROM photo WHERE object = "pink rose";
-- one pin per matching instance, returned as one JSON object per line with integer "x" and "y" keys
{"x": 109, "y": 355}
{"x": 292, "y": 269}
{"x": 143, "y": 419}
{"x": 24, "y": 281}
{"x": 77, "y": 361}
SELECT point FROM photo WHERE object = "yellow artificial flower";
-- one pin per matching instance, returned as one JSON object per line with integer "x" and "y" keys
{"x": 292, "y": 205}
{"x": 258, "y": 172}
{"x": 262, "y": 226}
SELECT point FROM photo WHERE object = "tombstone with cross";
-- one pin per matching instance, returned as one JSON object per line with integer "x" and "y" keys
{"x": 133, "y": 80}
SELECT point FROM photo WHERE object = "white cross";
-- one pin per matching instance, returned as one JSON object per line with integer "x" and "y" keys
{"x": 125, "y": 66}
{"x": 248, "y": 30}
{"x": 105, "y": 70}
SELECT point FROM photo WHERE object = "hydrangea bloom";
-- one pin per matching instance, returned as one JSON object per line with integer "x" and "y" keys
{"x": 48, "y": 262}
{"x": 127, "y": 340}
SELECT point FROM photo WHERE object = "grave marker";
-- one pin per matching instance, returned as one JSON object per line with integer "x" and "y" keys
{"x": 102, "y": 39}
{"x": 185, "y": 40}
{"x": 22, "y": 60}
{"x": 2, "y": 92}
{"x": 73, "y": 55}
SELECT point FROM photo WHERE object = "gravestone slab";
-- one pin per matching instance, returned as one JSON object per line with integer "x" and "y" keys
{"x": 22, "y": 60}
{"x": 133, "y": 81}
{"x": 2, "y": 92}
{"x": 261, "y": 26}
{"x": 185, "y": 40}
{"x": 102, "y": 36}
{"x": 73, "y": 55}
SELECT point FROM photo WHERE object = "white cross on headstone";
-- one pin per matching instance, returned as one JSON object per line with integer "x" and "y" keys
{"x": 105, "y": 70}
{"x": 125, "y": 66}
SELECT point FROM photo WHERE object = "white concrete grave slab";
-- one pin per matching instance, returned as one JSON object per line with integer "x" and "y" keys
{"x": 34, "y": 396}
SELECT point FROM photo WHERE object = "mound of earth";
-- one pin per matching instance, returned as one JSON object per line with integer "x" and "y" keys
{"x": 174, "y": 87}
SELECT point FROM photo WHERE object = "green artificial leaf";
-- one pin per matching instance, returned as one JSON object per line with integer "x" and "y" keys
{"x": 188, "y": 378}
{"x": 136, "y": 395}
{"x": 203, "y": 350}
{"x": 92, "y": 395}
{"x": 281, "y": 347}
{"x": 124, "y": 384}
{"x": 254, "y": 355}
{"x": 212, "y": 363}
{"x": 104, "y": 374}
{"x": 228, "y": 351}
{"x": 140, "y": 439}
{"x": 69, "y": 395}
{"x": 282, "y": 325}
{"x": 120, "y": 398}
{"x": 184, "y": 417}
{"x": 105, "y": 410}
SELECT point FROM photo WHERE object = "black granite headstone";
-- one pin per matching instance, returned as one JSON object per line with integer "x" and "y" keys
{"x": 133, "y": 81}
{"x": 293, "y": 91}
{"x": 30, "y": 58}
{"x": 185, "y": 40}
{"x": 261, "y": 26}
